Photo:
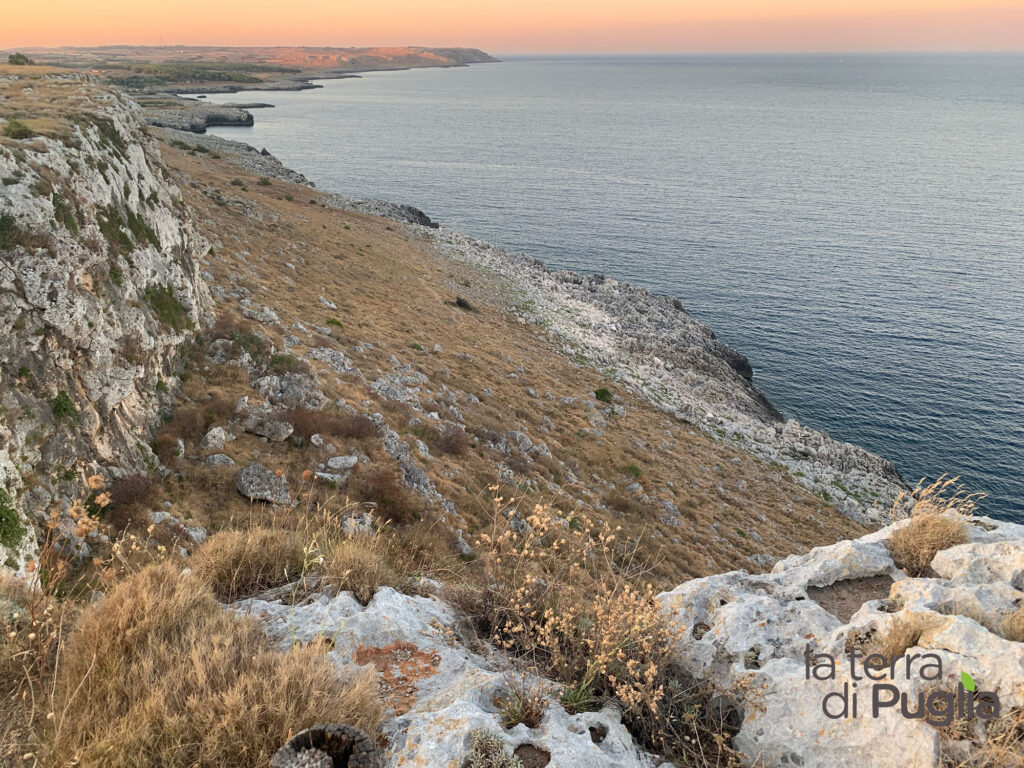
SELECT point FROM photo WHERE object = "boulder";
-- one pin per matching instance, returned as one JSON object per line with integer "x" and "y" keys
{"x": 258, "y": 483}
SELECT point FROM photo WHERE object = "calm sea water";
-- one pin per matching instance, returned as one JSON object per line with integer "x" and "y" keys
{"x": 855, "y": 225}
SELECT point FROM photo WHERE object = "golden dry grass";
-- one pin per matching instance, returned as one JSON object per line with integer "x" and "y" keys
{"x": 242, "y": 563}
{"x": 937, "y": 523}
{"x": 1013, "y": 626}
{"x": 158, "y": 674}
{"x": 914, "y": 546}
{"x": 362, "y": 564}
{"x": 394, "y": 291}
{"x": 902, "y": 634}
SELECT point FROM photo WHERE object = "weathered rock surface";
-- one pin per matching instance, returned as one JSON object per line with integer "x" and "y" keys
{"x": 196, "y": 117}
{"x": 258, "y": 483}
{"x": 747, "y": 635}
{"x": 98, "y": 290}
{"x": 438, "y": 690}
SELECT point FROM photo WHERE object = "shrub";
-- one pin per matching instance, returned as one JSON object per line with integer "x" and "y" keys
{"x": 937, "y": 523}
{"x": 335, "y": 322}
{"x": 283, "y": 363}
{"x": 264, "y": 181}
{"x": 19, "y": 60}
{"x": 128, "y": 495}
{"x": 156, "y": 673}
{"x": 239, "y": 564}
{"x": 11, "y": 235}
{"x": 462, "y": 303}
{"x": 525, "y": 703}
{"x": 381, "y": 486}
{"x": 308, "y": 422}
{"x": 237, "y": 183}
{"x": 603, "y": 394}
{"x": 167, "y": 308}
{"x": 561, "y": 594}
{"x": 634, "y": 471}
{"x": 62, "y": 407}
{"x": 902, "y": 634}
{"x": 12, "y": 529}
{"x": 15, "y": 129}
{"x": 453, "y": 440}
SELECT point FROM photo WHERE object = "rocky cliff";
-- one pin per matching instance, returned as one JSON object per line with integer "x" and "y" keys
{"x": 99, "y": 293}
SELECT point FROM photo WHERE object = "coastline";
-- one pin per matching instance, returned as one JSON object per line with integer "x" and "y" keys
{"x": 649, "y": 343}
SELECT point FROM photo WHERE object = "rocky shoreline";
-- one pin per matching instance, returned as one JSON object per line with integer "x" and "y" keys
{"x": 656, "y": 349}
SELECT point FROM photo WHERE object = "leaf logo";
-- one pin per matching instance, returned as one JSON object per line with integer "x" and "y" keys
{"x": 967, "y": 681}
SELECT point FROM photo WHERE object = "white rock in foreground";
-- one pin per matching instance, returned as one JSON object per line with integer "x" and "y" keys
{"x": 747, "y": 635}
{"x": 438, "y": 690}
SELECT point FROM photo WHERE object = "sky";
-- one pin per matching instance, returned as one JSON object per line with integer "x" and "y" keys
{"x": 527, "y": 26}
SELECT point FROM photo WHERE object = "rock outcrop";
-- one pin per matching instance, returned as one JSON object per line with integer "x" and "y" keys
{"x": 748, "y": 635}
{"x": 99, "y": 293}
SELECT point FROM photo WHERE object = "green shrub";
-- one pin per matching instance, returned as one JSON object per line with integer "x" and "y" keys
{"x": 15, "y": 129}
{"x": 63, "y": 214}
{"x": 62, "y": 406}
{"x": 237, "y": 183}
{"x": 116, "y": 275}
{"x": 603, "y": 394}
{"x": 264, "y": 181}
{"x": 282, "y": 363}
{"x": 634, "y": 471}
{"x": 335, "y": 322}
{"x": 12, "y": 530}
{"x": 112, "y": 226}
{"x": 167, "y": 308}
{"x": 141, "y": 230}
{"x": 462, "y": 303}
{"x": 19, "y": 60}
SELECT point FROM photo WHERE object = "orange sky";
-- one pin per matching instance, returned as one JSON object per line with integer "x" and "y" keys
{"x": 509, "y": 26}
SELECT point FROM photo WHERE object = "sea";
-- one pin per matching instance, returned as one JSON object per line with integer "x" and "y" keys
{"x": 852, "y": 223}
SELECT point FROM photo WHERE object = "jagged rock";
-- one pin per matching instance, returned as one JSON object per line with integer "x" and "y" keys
{"x": 215, "y": 439}
{"x": 258, "y": 483}
{"x": 101, "y": 236}
{"x": 439, "y": 690}
{"x": 272, "y": 429}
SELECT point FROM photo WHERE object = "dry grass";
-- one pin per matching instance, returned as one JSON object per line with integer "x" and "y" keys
{"x": 1013, "y": 626}
{"x": 903, "y": 634}
{"x": 363, "y": 564}
{"x": 562, "y": 596}
{"x": 242, "y": 563}
{"x": 937, "y": 523}
{"x": 157, "y": 674}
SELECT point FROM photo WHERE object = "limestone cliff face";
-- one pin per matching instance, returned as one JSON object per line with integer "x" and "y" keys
{"x": 99, "y": 292}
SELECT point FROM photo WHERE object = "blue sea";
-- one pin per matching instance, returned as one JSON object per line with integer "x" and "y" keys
{"x": 854, "y": 224}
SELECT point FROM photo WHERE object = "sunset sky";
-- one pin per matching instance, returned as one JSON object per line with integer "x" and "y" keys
{"x": 511, "y": 26}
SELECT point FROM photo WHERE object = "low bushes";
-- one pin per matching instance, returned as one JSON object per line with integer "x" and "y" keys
{"x": 362, "y": 564}
{"x": 156, "y": 673}
{"x": 381, "y": 486}
{"x": 308, "y": 422}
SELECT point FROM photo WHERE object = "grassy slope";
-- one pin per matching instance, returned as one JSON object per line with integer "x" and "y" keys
{"x": 391, "y": 290}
